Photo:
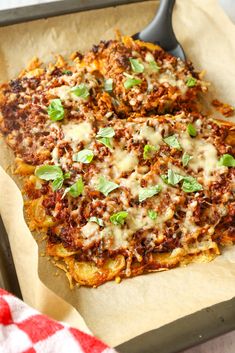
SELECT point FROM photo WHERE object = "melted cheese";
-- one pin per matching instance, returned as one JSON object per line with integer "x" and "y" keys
{"x": 63, "y": 92}
{"x": 188, "y": 226}
{"x": 150, "y": 134}
{"x": 132, "y": 183}
{"x": 166, "y": 216}
{"x": 123, "y": 161}
{"x": 90, "y": 233}
{"x": 204, "y": 155}
{"x": 138, "y": 219}
{"x": 55, "y": 155}
{"x": 118, "y": 235}
{"x": 173, "y": 81}
{"x": 77, "y": 132}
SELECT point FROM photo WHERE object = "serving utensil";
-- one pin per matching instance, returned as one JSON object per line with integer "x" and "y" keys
{"x": 160, "y": 30}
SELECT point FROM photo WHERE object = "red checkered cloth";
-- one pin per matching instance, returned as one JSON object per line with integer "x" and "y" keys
{"x": 25, "y": 330}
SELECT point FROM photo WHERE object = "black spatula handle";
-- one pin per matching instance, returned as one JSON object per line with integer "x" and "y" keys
{"x": 161, "y": 27}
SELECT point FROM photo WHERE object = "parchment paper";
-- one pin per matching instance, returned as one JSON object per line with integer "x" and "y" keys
{"x": 114, "y": 312}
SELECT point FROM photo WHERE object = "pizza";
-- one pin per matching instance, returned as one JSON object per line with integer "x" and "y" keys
{"x": 122, "y": 172}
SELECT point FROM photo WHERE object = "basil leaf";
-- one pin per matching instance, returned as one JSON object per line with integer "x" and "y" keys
{"x": 191, "y": 82}
{"x": 191, "y": 184}
{"x": 191, "y": 130}
{"x": 97, "y": 220}
{"x": 48, "y": 172}
{"x": 67, "y": 175}
{"x": 164, "y": 177}
{"x": 146, "y": 193}
{"x": 131, "y": 82}
{"x": 105, "y": 141}
{"x": 173, "y": 178}
{"x": 106, "y": 132}
{"x": 55, "y": 110}
{"x": 186, "y": 158}
{"x": 81, "y": 91}
{"x": 108, "y": 85}
{"x": 119, "y": 218}
{"x": 105, "y": 186}
{"x": 152, "y": 214}
{"x": 67, "y": 72}
{"x": 57, "y": 183}
{"x": 83, "y": 156}
{"x": 148, "y": 151}
{"x": 76, "y": 189}
{"x": 136, "y": 65}
{"x": 154, "y": 66}
{"x": 172, "y": 141}
{"x": 227, "y": 160}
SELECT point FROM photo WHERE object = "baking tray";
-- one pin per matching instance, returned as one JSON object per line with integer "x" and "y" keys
{"x": 8, "y": 278}
{"x": 174, "y": 337}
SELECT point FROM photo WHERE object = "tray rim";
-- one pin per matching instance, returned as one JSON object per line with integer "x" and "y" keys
{"x": 208, "y": 323}
{"x": 55, "y": 8}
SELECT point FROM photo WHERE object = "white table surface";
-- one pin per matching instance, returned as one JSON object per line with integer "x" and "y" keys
{"x": 222, "y": 344}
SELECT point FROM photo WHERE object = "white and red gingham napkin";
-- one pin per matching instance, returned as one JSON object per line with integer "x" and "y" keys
{"x": 25, "y": 330}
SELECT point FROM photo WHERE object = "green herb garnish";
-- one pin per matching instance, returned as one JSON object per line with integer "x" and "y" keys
{"x": 83, "y": 156}
{"x": 67, "y": 72}
{"x": 131, "y": 82}
{"x": 191, "y": 82}
{"x": 164, "y": 177}
{"x": 152, "y": 214}
{"x": 97, "y": 220}
{"x": 172, "y": 141}
{"x": 55, "y": 110}
{"x": 49, "y": 172}
{"x": 154, "y": 66}
{"x": 148, "y": 151}
{"x": 173, "y": 178}
{"x": 57, "y": 183}
{"x": 191, "y": 184}
{"x": 191, "y": 130}
{"x": 105, "y": 186}
{"x": 52, "y": 172}
{"x": 76, "y": 189}
{"x": 136, "y": 65}
{"x": 146, "y": 193}
{"x": 227, "y": 160}
{"x": 152, "y": 63}
{"x": 186, "y": 158}
{"x": 67, "y": 175}
{"x": 119, "y": 218}
{"x": 81, "y": 91}
{"x": 106, "y": 132}
{"x": 105, "y": 141}
{"x": 104, "y": 135}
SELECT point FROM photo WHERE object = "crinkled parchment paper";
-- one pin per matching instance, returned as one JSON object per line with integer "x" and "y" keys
{"x": 114, "y": 312}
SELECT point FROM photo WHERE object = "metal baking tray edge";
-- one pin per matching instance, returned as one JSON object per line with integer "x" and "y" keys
{"x": 174, "y": 337}
{"x": 55, "y": 8}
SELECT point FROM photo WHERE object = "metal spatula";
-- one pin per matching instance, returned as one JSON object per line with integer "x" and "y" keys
{"x": 160, "y": 30}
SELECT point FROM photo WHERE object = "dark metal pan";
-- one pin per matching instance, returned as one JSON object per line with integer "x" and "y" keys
{"x": 8, "y": 278}
{"x": 174, "y": 337}
{"x": 34, "y": 12}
